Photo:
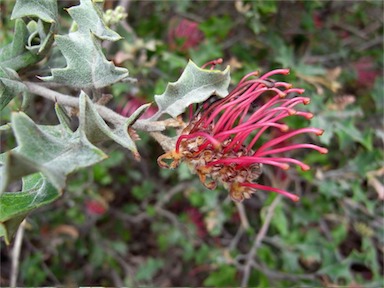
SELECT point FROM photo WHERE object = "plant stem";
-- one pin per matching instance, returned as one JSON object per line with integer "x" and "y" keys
{"x": 106, "y": 113}
{"x": 16, "y": 254}
{"x": 256, "y": 243}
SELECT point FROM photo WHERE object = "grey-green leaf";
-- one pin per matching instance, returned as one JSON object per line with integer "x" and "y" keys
{"x": 46, "y": 10}
{"x": 96, "y": 130}
{"x": 87, "y": 66}
{"x": 53, "y": 150}
{"x": 89, "y": 18}
{"x": 195, "y": 85}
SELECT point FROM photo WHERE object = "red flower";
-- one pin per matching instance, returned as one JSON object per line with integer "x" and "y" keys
{"x": 223, "y": 142}
{"x": 131, "y": 104}
{"x": 184, "y": 34}
{"x": 95, "y": 207}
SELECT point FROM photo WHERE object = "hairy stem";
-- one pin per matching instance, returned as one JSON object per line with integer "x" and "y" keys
{"x": 106, "y": 113}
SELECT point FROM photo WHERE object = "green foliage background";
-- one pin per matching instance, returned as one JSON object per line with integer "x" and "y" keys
{"x": 162, "y": 227}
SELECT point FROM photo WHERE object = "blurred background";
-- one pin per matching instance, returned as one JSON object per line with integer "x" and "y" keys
{"x": 128, "y": 223}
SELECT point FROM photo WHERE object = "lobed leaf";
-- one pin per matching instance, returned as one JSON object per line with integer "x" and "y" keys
{"x": 46, "y": 10}
{"x": 53, "y": 150}
{"x": 87, "y": 66}
{"x": 89, "y": 18}
{"x": 96, "y": 130}
{"x": 195, "y": 85}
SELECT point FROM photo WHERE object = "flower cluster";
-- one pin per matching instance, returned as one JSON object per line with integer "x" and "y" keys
{"x": 224, "y": 140}
{"x": 184, "y": 34}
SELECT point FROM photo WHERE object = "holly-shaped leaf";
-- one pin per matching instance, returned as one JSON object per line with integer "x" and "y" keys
{"x": 97, "y": 130}
{"x": 87, "y": 66}
{"x": 53, "y": 150}
{"x": 195, "y": 85}
{"x": 46, "y": 10}
{"x": 88, "y": 17}
{"x": 15, "y": 206}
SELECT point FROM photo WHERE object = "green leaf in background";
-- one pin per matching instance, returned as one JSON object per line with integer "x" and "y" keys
{"x": 87, "y": 66}
{"x": 53, "y": 150}
{"x": 347, "y": 132}
{"x": 148, "y": 269}
{"x": 96, "y": 130}
{"x": 89, "y": 18}
{"x": 14, "y": 206}
{"x": 46, "y": 10}
{"x": 279, "y": 220}
{"x": 195, "y": 85}
{"x": 225, "y": 276}
{"x": 377, "y": 95}
{"x": 10, "y": 86}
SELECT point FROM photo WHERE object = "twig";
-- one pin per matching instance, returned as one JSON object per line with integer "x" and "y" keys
{"x": 368, "y": 44}
{"x": 168, "y": 196}
{"x": 167, "y": 143}
{"x": 256, "y": 243}
{"x": 280, "y": 275}
{"x": 117, "y": 281}
{"x": 236, "y": 239}
{"x": 243, "y": 215}
{"x": 16, "y": 254}
{"x": 106, "y": 113}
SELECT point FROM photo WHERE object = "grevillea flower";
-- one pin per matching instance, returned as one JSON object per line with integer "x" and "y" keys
{"x": 184, "y": 34}
{"x": 223, "y": 141}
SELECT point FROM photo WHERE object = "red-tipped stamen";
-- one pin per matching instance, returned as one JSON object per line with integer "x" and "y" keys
{"x": 282, "y": 138}
{"x": 212, "y": 63}
{"x": 322, "y": 150}
{"x": 246, "y": 161}
{"x": 291, "y": 196}
{"x": 306, "y": 115}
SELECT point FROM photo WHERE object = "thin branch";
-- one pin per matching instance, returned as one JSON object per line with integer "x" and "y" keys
{"x": 106, "y": 113}
{"x": 52, "y": 95}
{"x": 236, "y": 239}
{"x": 243, "y": 215}
{"x": 16, "y": 254}
{"x": 258, "y": 239}
{"x": 172, "y": 192}
{"x": 281, "y": 275}
{"x": 167, "y": 143}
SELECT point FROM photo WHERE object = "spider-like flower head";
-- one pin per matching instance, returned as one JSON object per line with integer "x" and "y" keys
{"x": 223, "y": 141}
